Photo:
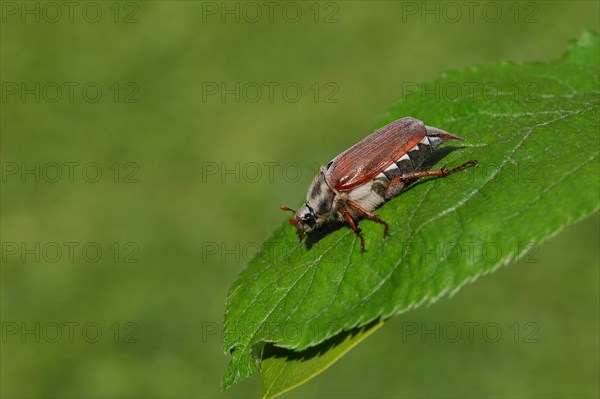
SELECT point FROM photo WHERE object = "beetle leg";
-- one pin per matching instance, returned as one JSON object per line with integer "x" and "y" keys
{"x": 394, "y": 188}
{"x": 369, "y": 215}
{"x": 350, "y": 221}
{"x": 443, "y": 172}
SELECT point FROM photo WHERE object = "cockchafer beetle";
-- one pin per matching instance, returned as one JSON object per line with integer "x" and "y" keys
{"x": 369, "y": 173}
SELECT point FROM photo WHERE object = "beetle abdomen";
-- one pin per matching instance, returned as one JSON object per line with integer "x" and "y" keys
{"x": 385, "y": 147}
{"x": 372, "y": 194}
{"x": 413, "y": 159}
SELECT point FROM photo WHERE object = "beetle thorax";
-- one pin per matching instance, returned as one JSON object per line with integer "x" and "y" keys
{"x": 319, "y": 200}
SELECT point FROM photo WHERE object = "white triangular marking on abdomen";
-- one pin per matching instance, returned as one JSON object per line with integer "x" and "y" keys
{"x": 434, "y": 140}
{"x": 391, "y": 167}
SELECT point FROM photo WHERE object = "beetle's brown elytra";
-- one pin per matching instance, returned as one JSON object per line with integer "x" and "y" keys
{"x": 369, "y": 173}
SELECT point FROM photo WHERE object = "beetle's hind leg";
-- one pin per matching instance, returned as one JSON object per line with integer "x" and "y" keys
{"x": 443, "y": 172}
{"x": 395, "y": 187}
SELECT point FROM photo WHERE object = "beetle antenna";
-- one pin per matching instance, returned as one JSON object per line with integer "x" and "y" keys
{"x": 285, "y": 208}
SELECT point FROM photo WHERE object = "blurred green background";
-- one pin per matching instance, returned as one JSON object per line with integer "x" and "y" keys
{"x": 157, "y": 133}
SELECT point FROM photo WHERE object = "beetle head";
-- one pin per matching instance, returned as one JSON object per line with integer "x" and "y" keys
{"x": 304, "y": 219}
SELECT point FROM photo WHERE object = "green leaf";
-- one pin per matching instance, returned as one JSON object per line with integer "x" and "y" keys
{"x": 284, "y": 369}
{"x": 534, "y": 129}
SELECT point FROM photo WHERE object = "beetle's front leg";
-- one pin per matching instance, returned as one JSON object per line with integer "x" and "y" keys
{"x": 346, "y": 215}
